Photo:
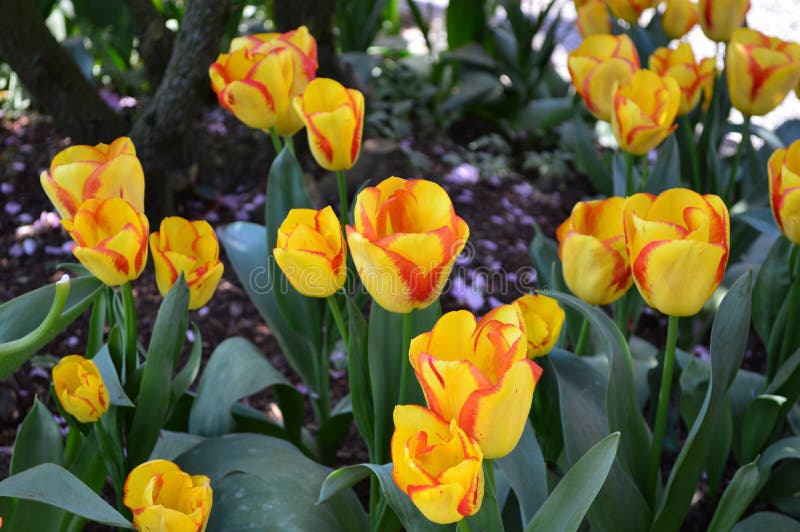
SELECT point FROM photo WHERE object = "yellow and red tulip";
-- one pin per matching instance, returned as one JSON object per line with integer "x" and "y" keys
{"x": 436, "y": 464}
{"x": 761, "y": 70}
{"x": 679, "y": 17}
{"x": 678, "y": 244}
{"x": 591, "y": 246}
{"x": 644, "y": 111}
{"x": 110, "y": 239}
{"x": 593, "y": 17}
{"x": 680, "y": 65}
{"x": 478, "y": 374}
{"x": 162, "y": 497}
{"x": 80, "y": 389}
{"x": 80, "y": 173}
{"x": 629, "y": 10}
{"x": 719, "y": 18}
{"x": 600, "y": 62}
{"x": 334, "y": 120}
{"x": 190, "y": 248}
{"x": 311, "y": 251}
{"x": 299, "y": 40}
{"x": 543, "y": 318}
{"x": 404, "y": 242}
{"x": 784, "y": 189}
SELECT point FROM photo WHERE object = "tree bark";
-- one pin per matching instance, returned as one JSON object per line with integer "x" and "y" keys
{"x": 53, "y": 78}
{"x": 155, "y": 40}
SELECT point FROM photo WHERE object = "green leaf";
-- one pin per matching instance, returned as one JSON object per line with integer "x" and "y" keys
{"x": 188, "y": 373}
{"x": 545, "y": 113}
{"x": 771, "y": 286}
{"x": 580, "y": 141}
{"x": 761, "y": 521}
{"x": 759, "y": 423}
{"x": 545, "y": 413}
{"x": 762, "y": 220}
{"x": 667, "y": 170}
{"x": 465, "y": 20}
{"x": 52, "y": 484}
{"x": 526, "y": 471}
{"x": 743, "y": 487}
{"x": 152, "y": 402}
{"x": 280, "y": 489}
{"x": 110, "y": 379}
{"x": 358, "y": 374}
{"x": 171, "y": 445}
{"x": 570, "y": 500}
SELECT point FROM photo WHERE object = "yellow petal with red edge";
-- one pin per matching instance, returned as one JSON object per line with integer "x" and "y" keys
{"x": 379, "y": 274}
{"x": 103, "y": 265}
{"x": 204, "y": 287}
{"x": 543, "y": 319}
{"x": 450, "y": 338}
{"x": 438, "y": 503}
{"x": 309, "y": 272}
{"x": 410, "y": 420}
{"x": 328, "y": 225}
{"x": 448, "y": 384}
{"x": 121, "y": 177}
{"x": 332, "y": 133}
{"x": 437, "y": 207}
{"x": 250, "y": 102}
{"x": 595, "y": 271}
{"x": 140, "y": 476}
{"x": 79, "y": 153}
{"x": 599, "y": 89}
{"x": 158, "y": 518}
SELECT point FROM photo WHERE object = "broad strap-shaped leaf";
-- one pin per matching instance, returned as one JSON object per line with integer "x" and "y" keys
{"x": 667, "y": 169}
{"x": 526, "y": 471}
{"x": 771, "y": 521}
{"x": 108, "y": 372}
{"x": 358, "y": 374}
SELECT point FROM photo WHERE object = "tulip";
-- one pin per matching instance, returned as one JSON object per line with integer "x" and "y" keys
{"x": 591, "y": 246}
{"x": 80, "y": 389}
{"x": 680, "y": 65}
{"x": 436, "y": 464}
{"x": 719, "y": 18}
{"x": 299, "y": 40}
{"x": 111, "y": 239}
{"x": 629, "y": 10}
{"x": 784, "y": 189}
{"x": 79, "y": 173}
{"x": 678, "y": 245}
{"x": 543, "y": 318}
{"x": 761, "y": 70}
{"x": 405, "y": 241}
{"x": 597, "y": 64}
{"x": 478, "y": 374}
{"x": 644, "y": 111}
{"x": 679, "y": 17}
{"x": 311, "y": 251}
{"x": 162, "y": 497}
{"x": 334, "y": 119}
{"x": 592, "y": 17}
{"x": 190, "y": 248}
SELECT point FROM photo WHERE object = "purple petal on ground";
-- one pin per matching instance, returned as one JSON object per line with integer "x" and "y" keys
{"x": 475, "y": 300}
{"x": 217, "y": 128}
{"x": 702, "y": 353}
{"x": 18, "y": 166}
{"x": 13, "y": 208}
{"x": 212, "y": 217}
{"x": 26, "y": 148}
{"x": 6, "y": 188}
{"x": 25, "y": 218}
{"x": 488, "y": 244}
{"x": 512, "y": 277}
{"x": 190, "y": 335}
{"x": 495, "y": 181}
{"x": 463, "y": 174}
{"x": 15, "y": 250}
{"x": 506, "y": 204}
{"x": 127, "y": 102}
{"x": 72, "y": 341}
{"x": 527, "y": 220}
{"x": 53, "y": 250}
{"x": 478, "y": 280}
{"x": 522, "y": 189}
{"x": 494, "y": 302}
{"x": 203, "y": 312}
{"x": 67, "y": 246}
{"x": 458, "y": 289}
{"x": 497, "y": 220}
{"x": 29, "y": 246}
{"x": 38, "y": 372}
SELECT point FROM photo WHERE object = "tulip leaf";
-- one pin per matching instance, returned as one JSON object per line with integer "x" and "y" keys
{"x": 728, "y": 342}
{"x": 188, "y": 373}
{"x": 171, "y": 445}
{"x": 580, "y": 141}
{"x": 22, "y": 315}
{"x": 667, "y": 169}
{"x": 526, "y": 471}
{"x": 772, "y": 521}
{"x": 110, "y": 379}
{"x": 278, "y": 491}
{"x": 763, "y": 414}
{"x": 771, "y": 286}
{"x": 358, "y": 374}
{"x": 52, "y": 484}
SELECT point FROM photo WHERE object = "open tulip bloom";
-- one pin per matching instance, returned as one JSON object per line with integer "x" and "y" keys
{"x": 784, "y": 190}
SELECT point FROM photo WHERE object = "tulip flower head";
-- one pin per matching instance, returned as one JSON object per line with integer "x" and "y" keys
{"x": 80, "y": 173}
{"x": 110, "y": 239}
{"x": 334, "y": 120}
{"x": 592, "y": 17}
{"x": 162, "y": 497}
{"x": 680, "y": 65}
{"x": 478, "y": 374}
{"x": 436, "y": 464}
{"x": 679, "y": 17}
{"x": 190, "y": 248}
{"x": 543, "y": 318}
{"x": 596, "y": 65}
{"x": 761, "y": 70}
{"x": 629, "y": 10}
{"x": 80, "y": 389}
{"x": 678, "y": 244}
{"x": 591, "y": 246}
{"x": 784, "y": 189}
{"x": 719, "y": 18}
{"x": 404, "y": 241}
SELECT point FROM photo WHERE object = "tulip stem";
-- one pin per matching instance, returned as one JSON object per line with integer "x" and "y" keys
{"x": 344, "y": 211}
{"x": 645, "y": 169}
{"x": 663, "y": 403}
{"x": 463, "y": 526}
{"x": 629, "y": 185}
{"x": 581, "y": 343}
{"x": 737, "y": 158}
{"x": 39, "y": 335}
{"x": 276, "y": 140}
{"x": 689, "y": 133}
{"x": 129, "y": 322}
{"x": 288, "y": 141}
{"x": 111, "y": 459}
{"x": 405, "y": 367}
{"x": 337, "y": 317}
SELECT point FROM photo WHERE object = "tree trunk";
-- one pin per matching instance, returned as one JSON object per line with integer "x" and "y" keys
{"x": 155, "y": 40}
{"x": 52, "y": 77}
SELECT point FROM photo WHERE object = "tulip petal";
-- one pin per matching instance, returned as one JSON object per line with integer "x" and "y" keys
{"x": 438, "y": 503}
{"x": 251, "y": 102}
{"x": 448, "y": 384}
{"x": 140, "y": 476}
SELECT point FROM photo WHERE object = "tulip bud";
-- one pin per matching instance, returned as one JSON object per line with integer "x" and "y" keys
{"x": 596, "y": 65}
{"x": 190, "y": 248}
{"x": 761, "y": 71}
{"x": 478, "y": 374}
{"x": 680, "y": 65}
{"x": 111, "y": 239}
{"x": 404, "y": 243}
{"x": 80, "y": 173}
{"x": 543, "y": 318}
{"x": 719, "y": 18}
{"x": 334, "y": 120}
{"x": 680, "y": 16}
{"x": 644, "y": 111}
{"x": 784, "y": 189}
{"x": 436, "y": 464}
{"x": 592, "y": 17}
{"x": 80, "y": 389}
{"x": 678, "y": 245}
{"x": 629, "y": 10}
{"x": 311, "y": 251}
{"x": 162, "y": 497}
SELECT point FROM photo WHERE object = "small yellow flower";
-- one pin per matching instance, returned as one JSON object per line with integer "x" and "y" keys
{"x": 80, "y": 389}
{"x": 680, "y": 16}
{"x": 680, "y": 65}
{"x": 593, "y": 17}
{"x": 543, "y": 319}
{"x": 784, "y": 189}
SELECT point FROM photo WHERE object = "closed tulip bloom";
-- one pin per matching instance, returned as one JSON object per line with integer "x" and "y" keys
{"x": 678, "y": 244}
{"x": 190, "y": 248}
{"x": 80, "y": 173}
{"x": 629, "y": 10}
{"x": 784, "y": 189}
{"x": 600, "y": 62}
{"x": 311, "y": 251}
{"x": 592, "y": 17}
{"x": 679, "y": 17}
{"x": 334, "y": 120}
{"x": 543, "y": 318}
{"x": 436, "y": 464}
{"x": 644, "y": 111}
{"x": 110, "y": 239}
{"x": 80, "y": 389}
{"x": 591, "y": 246}
{"x": 404, "y": 242}
{"x": 719, "y": 18}
{"x": 680, "y": 65}
{"x": 478, "y": 374}
{"x": 761, "y": 70}
{"x": 164, "y": 498}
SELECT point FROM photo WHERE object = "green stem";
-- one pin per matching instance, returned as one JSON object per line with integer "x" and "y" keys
{"x": 276, "y": 140}
{"x": 645, "y": 169}
{"x": 343, "y": 209}
{"x": 689, "y": 133}
{"x": 620, "y": 309}
{"x": 288, "y": 141}
{"x": 405, "y": 368}
{"x": 629, "y": 185}
{"x": 40, "y": 334}
{"x": 111, "y": 458}
{"x": 494, "y": 517}
{"x": 737, "y": 158}
{"x": 581, "y": 343}
{"x": 97, "y": 323}
{"x": 462, "y": 526}
{"x": 129, "y": 322}
{"x": 663, "y": 403}
{"x": 337, "y": 317}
